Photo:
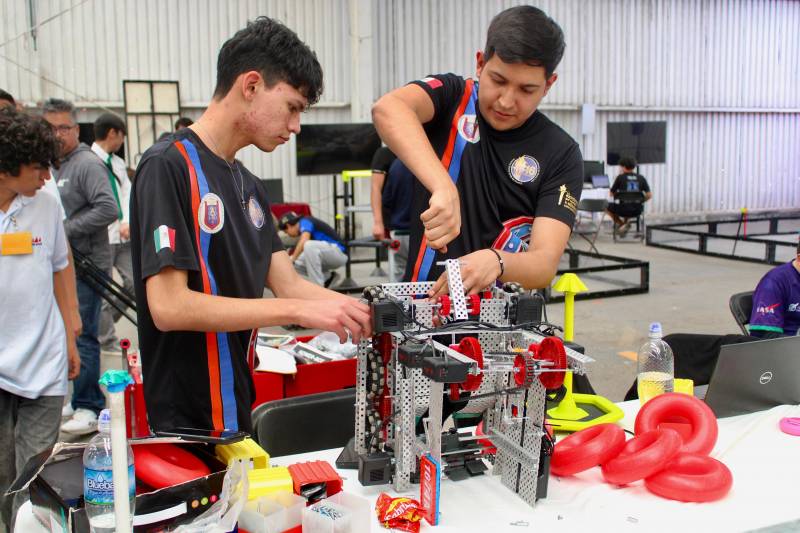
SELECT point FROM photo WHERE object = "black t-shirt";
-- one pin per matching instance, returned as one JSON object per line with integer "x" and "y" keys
{"x": 382, "y": 160}
{"x": 187, "y": 213}
{"x": 630, "y": 182}
{"x": 398, "y": 190}
{"x": 505, "y": 178}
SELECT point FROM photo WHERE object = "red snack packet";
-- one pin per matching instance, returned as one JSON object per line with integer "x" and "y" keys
{"x": 402, "y": 514}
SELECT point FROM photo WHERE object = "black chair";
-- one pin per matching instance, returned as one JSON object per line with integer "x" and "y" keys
{"x": 590, "y": 230}
{"x": 305, "y": 423}
{"x": 631, "y": 206}
{"x": 741, "y": 305}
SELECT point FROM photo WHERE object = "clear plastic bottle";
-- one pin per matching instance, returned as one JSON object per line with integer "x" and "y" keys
{"x": 98, "y": 483}
{"x": 656, "y": 366}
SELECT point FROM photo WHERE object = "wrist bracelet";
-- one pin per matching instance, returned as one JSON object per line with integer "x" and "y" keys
{"x": 502, "y": 264}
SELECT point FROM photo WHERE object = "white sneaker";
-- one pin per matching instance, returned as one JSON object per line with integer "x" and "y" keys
{"x": 82, "y": 422}
{"x": 67, "y": 411}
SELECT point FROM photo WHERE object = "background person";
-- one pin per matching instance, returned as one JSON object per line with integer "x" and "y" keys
{"x": 627, "y": 181}
{"x": 319, "y": 249}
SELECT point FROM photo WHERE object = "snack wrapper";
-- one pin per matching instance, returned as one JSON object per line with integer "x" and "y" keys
{"x": 401, "y": 514}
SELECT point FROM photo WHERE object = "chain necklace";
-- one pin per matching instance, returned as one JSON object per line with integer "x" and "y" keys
{"x": 230, "y": 168}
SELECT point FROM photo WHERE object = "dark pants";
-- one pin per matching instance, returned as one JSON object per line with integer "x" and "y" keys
{"x": 27, "y": 428}
{"x": 86, "y": 392}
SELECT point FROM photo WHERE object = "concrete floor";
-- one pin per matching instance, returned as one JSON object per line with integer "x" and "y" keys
{"x": 688, "y": 294}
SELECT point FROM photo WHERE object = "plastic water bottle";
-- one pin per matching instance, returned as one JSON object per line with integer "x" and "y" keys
{"x": 98, "y": 482}
{"x": 656, "y": 366}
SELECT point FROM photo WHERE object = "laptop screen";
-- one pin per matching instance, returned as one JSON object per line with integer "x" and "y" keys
{"x": 754, "y": 376}
{"x": 600, "y": 182}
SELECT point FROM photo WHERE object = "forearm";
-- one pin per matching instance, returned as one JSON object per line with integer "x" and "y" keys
{"x": 402, "y": 131}
{"x": 375, "y": 198}
{"x": 534, "y": 269}
{"x": 73, "y": 318}
{"x": 302, "y": 289}
{"x": 66, "y": 299}
{"x": 190, "y": 310}
{"x": 298, "y": 249}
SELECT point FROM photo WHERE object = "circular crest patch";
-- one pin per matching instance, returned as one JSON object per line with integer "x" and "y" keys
{"x": 468, "y": 128}
{"x": 211, "y": 213}
{"x": 523, "y": 169}
{"x": 255, "y": 212}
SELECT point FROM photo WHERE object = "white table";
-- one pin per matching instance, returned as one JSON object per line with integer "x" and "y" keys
{"x": 764, "y": 461}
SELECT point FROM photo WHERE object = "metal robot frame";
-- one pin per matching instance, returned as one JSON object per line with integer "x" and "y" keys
{"x": 396, "y": 384}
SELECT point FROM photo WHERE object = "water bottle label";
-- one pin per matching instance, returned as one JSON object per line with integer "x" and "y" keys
{"x": 98, "y": 486}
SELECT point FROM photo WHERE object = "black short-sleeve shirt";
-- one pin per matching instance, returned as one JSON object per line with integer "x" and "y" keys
{"x": 630, "y": 182}
{"x": 504, "y": 178}
{"x": 191, "y": 211}
{"x": 382, "y": 159}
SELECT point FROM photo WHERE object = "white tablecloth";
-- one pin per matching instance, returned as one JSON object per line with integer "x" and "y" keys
{"x": 763, "y": 460}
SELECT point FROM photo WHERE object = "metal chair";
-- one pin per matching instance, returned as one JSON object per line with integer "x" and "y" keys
{"x": 590, "y": 231}
{"x": 634, "y": 202}
{"x": 741, "y": 305}
{"x": 305, "y": 423}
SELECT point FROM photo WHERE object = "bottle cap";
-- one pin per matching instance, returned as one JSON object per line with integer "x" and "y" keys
{"x": 655, "y": 329}
{"x": 104, "y": 420}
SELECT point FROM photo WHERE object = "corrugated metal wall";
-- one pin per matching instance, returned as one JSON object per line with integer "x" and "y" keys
{"x": 724, "y": 74}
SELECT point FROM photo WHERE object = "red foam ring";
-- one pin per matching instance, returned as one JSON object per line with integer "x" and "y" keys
{"x": 684, "y": 429}
{"x": 642, "y": 456}
{"x": 666, "y": 407}
{"x": 586, "y": 448}
{"x": 125, "y": 344}
{"x": 691, "y": 478}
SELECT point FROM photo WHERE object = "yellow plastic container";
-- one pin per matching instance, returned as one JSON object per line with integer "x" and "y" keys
{"x": 268, "y": 480}
{"x": 247, "y": 450}
{"x": 685, "y": 386}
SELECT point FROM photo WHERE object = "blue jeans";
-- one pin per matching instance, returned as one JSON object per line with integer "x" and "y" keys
{"x": 86, "y": 392}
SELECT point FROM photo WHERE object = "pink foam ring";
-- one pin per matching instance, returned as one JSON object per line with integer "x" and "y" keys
{"x": 790, "y": 425}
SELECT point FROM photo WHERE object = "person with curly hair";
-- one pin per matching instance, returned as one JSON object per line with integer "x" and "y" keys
{"x": 37, "y": 352}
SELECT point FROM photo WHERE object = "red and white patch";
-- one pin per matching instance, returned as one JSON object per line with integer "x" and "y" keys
{"x": 433, "y": 83}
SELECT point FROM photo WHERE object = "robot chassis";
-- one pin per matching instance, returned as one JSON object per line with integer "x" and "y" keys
{"x": 505, "y": 364}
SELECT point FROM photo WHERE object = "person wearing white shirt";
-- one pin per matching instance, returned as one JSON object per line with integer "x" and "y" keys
{"x": 37, "y": 353}
{"x": 109, "y": 133}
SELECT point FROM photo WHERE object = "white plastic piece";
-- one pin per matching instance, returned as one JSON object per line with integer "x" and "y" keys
{"x": 275, "y": 360}
{"x": 273, "y": 513}
{"x": 119, "y": 462}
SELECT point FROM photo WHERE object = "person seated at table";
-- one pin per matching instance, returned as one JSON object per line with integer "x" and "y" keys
{"x": 776, "y": 302}
{"x": 628, "y": 181}
{"x": 319, "y": 249}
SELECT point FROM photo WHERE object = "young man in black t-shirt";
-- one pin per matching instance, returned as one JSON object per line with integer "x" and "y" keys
{"x": 203, "y": 246}
{"x": 627, "y": 181}
{"x": 495, "y": 175}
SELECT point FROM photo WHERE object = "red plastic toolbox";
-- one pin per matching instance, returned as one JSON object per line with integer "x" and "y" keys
{"x": 309, "y": 379}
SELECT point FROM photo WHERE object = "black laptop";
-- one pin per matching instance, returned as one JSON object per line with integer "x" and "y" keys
{"x": 754, "y": 376}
